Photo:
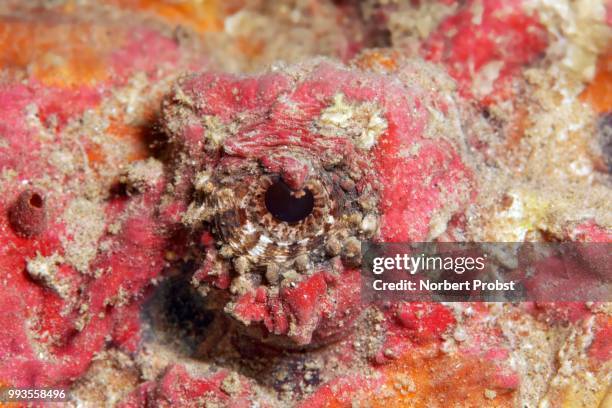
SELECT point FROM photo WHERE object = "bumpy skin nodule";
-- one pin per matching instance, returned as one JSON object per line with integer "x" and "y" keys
{"x": 28, "y": 215}
{"x": 378, "y": 156}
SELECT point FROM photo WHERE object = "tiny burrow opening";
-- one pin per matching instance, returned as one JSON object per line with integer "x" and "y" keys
{"x": 36, "y": 200}
{"x": 288, "y": 205}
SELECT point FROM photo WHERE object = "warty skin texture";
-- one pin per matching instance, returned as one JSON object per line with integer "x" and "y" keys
{"x": 361, "y": 142}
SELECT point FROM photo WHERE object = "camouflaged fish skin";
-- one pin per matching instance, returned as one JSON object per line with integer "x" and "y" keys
{"x": 361, "y": 146}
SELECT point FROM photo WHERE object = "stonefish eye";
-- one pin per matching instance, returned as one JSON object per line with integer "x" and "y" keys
{"x": 261, "y": 221}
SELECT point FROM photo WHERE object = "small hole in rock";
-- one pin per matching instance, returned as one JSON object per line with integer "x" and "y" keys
{"x": 287, "y": 205}
{"x": 36, "y": 200}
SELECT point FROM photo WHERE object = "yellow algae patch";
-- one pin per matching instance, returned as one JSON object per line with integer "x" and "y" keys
{"x": 522, "y": 211}
{"x": 578, "y": 32}
{"x": 363, "y": 122}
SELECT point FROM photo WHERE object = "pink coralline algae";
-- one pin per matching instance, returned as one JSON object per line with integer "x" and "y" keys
{"x": 63, "y": 302}
{"x": 485, "y": 43}
{"x": 178, "y": 388}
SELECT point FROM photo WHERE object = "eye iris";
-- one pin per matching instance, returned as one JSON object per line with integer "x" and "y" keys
{"x": 287, "y": 205}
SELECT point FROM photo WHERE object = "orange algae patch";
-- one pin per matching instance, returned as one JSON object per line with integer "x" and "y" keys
{"x": 517, "y": 126}
{"x": 250, "y": 47}
{"x": 200, "y": 15}
{"x": 372, "y": 59}
{"x": 94, "y": 154}
{"x": 132, "y": 137}
{"x": 56, "y": 54}
{"x": 4, "y": 384}
{"x": 599, "y": 91}
{"x": 11, "y": 405}
{"x": 431, "y": 378}
{"x": 128, "y": 140}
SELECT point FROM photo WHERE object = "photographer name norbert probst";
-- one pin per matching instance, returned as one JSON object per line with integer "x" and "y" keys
{"x": 428, "y": 285}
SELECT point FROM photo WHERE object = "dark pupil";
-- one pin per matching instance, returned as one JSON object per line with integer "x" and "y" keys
{"x": 285, "y": 206}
